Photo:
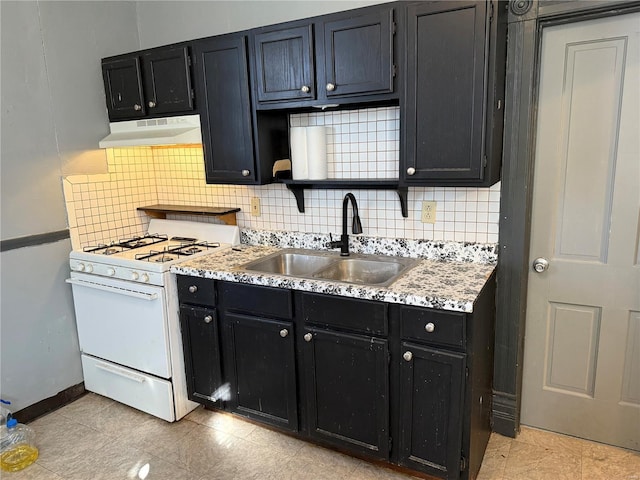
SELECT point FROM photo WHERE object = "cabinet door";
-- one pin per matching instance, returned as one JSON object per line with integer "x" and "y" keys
{"x": 167, "y": 81}
{"x": 123, "y": 88}
{"x": 222, "y": 88}
{"x": 348, "y": 391}
{"x": 284, "y": 64}
{"x": 260, "y": 363}
{"x": 431, "y": 401}
{"x": 201, "y": 344}
{"x": 445, "y": 96}
{"x": 358, "y": 55}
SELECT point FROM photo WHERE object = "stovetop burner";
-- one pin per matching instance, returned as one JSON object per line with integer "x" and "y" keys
{"x": 170, "y": 252}
{"x": 128, "y": 244}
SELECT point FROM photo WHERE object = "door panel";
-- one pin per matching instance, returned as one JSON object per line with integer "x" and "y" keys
{"x": 581, "y": 361}
{"x": 123, "y": 88}
{"x": 347, "y": 388}
{"x": 167, "y": 81}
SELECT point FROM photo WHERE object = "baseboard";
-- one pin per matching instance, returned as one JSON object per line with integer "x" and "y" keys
{"x": 50, "y": 404}
{"x": 505, "y": 419}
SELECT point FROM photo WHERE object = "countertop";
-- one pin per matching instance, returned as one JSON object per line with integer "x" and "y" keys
{"x": 446, "y": 285}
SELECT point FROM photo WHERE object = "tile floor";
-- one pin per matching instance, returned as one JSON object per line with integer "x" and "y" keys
{"x": 95, "y": 438}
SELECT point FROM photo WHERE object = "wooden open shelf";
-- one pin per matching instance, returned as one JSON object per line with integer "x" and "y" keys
{"x": 226, "y": 214}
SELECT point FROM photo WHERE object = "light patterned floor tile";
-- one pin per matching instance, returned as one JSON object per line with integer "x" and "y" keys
{"x": 222, "y": 421}
{"x": 603, "y": 462}
{"x": 495, "y": 458}
{"x": 531, "y": 462}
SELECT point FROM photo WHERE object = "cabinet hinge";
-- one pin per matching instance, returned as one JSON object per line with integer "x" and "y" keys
{"x": 484, "y": 161}
{"x": 463, "y": 464}
{"x": 390, "y": 444}
{"x": 394, "y": 27}
{"x": 189, "y": 61}
{"x": 490, "y": 12}
{"x": 395, "y": 70}
{"x": 466, "y": 372}
{"x": 193, "y": 94}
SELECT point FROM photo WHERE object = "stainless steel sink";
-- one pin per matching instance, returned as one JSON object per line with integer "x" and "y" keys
{"x": 289, "y": 263}
{"x": 374, "y": 270}
{"x": 357, "y": 270}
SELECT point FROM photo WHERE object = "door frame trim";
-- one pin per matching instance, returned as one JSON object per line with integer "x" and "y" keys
{"x": 526, "y": 21}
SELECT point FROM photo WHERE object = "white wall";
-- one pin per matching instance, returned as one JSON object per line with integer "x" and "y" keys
{"x": 53, "y": 115}
{"x": 165, "y": 22}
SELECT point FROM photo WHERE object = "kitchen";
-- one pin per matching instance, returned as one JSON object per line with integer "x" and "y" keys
{"x": 48, "y": 81}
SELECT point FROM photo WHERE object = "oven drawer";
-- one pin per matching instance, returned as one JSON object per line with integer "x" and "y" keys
{"x": 144, "y": 392}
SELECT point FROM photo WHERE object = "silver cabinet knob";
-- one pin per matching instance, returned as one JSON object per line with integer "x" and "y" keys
{"x": 245, "y": 173}
{"x": 305, "y": 89}
{"x": 137, "y": 107}
{"x": 208, "y": 319}
{"x": 284, "y": 332}
{"x": 331, "y": 87}
{"x": 540, "y": 264}
{"x": 411, "y": 171}
{"x": 151, "y": 104}
{"x": 307, "y": 337}
{"x": 407, "y": 356}
{"x": 429, "y": 327}
{"x": 193, "y": 289}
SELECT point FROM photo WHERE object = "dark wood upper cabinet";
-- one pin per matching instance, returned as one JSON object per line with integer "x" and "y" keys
{"x": 357, "y": 54}
{"x": 345, "y": 56}
{"x": 149, "y": 83}
{"x": 123, "y": 88}
{"x": 284, "y": 63}
{"x": 453, "y": 95}
{"x": 222, "y": 86}
{"x": 167, "y": 81}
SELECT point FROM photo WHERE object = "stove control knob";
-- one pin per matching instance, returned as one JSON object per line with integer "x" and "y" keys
{"x": 144, "y": 277}
{"x": 135, "y": 275}
{"x": 111, "y": 271}
{"x": 88, "y": 268}
{"x": 80, "y": 267}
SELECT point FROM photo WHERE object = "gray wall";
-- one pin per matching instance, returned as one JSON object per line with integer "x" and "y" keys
{"x": 53, "y": 115}
{"x": 160, "y": 23}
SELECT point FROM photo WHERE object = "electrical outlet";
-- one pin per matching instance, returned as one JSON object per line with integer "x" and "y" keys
{"x": 429, "y": 212}
{"x": 255, "y": 206}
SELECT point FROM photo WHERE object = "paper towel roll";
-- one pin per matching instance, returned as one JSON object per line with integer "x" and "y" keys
{"x": 298, "y": 142}
{"x": 317, "y": 153}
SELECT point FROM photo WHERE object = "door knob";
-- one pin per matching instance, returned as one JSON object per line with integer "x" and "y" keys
{"x": 331, "y": 87}
{"x": 137, "y": 107}
{"x": 305, "y": 89}
{"x": 152, "y": 104}
{"x": 411, "y": 171}
{"x": 284, "y": 332}
{"x": 540, "y": 264}
{"x": 307, "y": 337}
{"x": 245, "y": 173}
{"x": 407, "y": 356}
{"x": 208, "y": 319}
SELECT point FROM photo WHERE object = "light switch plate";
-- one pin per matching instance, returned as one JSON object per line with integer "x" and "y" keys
{"x": 429, "y": 212}
{"x": 255, "y": 206}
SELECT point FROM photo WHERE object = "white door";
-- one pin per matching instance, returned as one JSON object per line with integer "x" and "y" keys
{"x": 582, "y": 342}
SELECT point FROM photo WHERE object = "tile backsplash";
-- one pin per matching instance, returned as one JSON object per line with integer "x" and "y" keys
{"x": 360, "y": 144}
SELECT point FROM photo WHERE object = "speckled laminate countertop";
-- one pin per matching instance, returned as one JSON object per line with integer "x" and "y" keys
{"x": 435, "y": 284}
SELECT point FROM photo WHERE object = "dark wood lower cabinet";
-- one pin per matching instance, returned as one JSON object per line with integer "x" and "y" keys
{"x": 407, "y": 385}
{"x": 202, "y": 355}
{"x": 259, "y": 356}
{"x": 431, "y": 389}
{"x": 348, "y": 390}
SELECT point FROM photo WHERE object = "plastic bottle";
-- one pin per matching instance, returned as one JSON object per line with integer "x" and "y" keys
{"x": 19, "y": 450}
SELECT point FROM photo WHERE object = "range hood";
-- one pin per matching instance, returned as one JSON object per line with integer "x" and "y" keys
{"x": 155, "y": 131}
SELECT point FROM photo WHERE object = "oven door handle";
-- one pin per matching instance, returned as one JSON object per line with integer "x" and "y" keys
{"x": 120, "y": 373}
{"x": 116, "y": 290}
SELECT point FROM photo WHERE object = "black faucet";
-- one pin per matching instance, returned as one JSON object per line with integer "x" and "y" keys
{"x": 343, "y": 244}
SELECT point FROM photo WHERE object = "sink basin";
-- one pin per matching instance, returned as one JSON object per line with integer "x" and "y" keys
{"x": 294, "y": 264}
{"x": 360, "y": 269}
{"x": 357, "y": 270}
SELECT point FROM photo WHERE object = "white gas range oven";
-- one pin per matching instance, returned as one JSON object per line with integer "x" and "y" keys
{"x": 126, "y": 307}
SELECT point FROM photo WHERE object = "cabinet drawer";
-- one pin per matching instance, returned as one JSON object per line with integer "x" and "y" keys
{"x": 348, "y": 313}
{"x": 445, "y": 328}
{"x": 200, "y": 291}
{"x": 263, "y": 301}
